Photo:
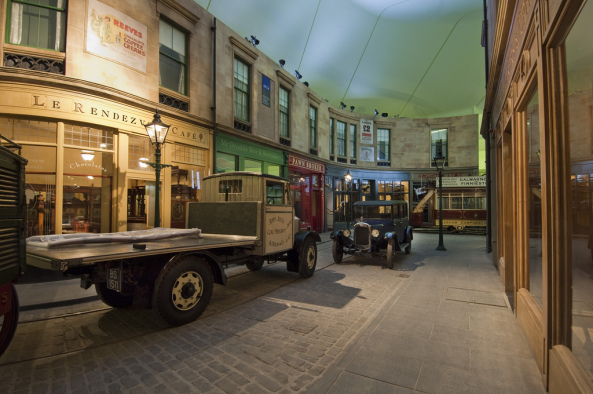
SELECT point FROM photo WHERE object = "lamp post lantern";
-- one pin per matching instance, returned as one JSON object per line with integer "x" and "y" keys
{"x": 348, "y": 179}
{"x": 157, "y": 132}
{"x": 439, "y": 162}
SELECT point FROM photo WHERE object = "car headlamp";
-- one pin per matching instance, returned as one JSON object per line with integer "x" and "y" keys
{"x": 375, "y": 233}
{"x": 346, "y": 233}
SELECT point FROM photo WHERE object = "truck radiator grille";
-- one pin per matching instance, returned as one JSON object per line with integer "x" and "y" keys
{"x": 362, "y": 235}
{"x": 9, "y": 188}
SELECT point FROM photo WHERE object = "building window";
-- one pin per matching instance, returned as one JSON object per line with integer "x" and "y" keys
{"x": 312, "y": 127}
{"x": 283, "y": 106}
{"x": 383, "y": 153}
{"x": 331, "y": 136}
{"x": 341, "y": 133}
{"x": 172, "y": 58}
{"x": 38, "y": 25}
{"x": 438, "y": 145}
{"x": 353, "y": 141}
{"x": 241, "y": 90}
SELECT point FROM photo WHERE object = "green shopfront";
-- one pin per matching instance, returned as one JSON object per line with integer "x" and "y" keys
{"x": 236, "y": 154}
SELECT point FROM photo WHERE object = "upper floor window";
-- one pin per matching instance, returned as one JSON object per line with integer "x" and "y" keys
{"x": 383, "y": 153}
{"x": 312, "y": 127}
{"x": 242, "y": 88}
{"x": 283, "y": 106}
{"x": 341, "y": 133}
{"x": 353, "y": 141}
{"x": 438, "y": 145}
{"x": 172, "y": 57}
{"x": 38, "y": 23}
{"x": 331, "y": 136}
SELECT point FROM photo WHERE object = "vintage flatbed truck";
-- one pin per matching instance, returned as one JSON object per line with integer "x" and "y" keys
{"x": 244, "y": 218}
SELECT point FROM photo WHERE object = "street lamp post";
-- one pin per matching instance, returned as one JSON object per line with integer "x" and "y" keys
{"x": 348, "y": 179}
{"x": 439, "y": 162}
{"x": 157, "y": 132}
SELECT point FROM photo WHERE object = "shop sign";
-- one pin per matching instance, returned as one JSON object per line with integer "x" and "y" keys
{"x": 253, "y": 151}
{"x": 265, "y": 90}
{"x": 367, "y": 153}
{"x": 294, "y": 161}
{"x": 366, "y": 131}
{"x": 466, "y": 181}
{"x": 116, "y": 36}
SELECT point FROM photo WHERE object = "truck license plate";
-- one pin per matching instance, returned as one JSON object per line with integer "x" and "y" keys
{"x": 114, "y": 279}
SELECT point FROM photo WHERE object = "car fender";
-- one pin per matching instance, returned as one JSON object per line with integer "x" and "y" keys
{"x": 339, "y": 234}
{"x": 409, "y": 234}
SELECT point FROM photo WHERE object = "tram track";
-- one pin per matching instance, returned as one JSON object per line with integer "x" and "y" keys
{"x": 71, "y": 332}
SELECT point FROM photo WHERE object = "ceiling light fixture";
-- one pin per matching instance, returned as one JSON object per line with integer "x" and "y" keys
{"x": 342, "y": 105}
{"x": 282, "y": 62}
{"x": 306, "y": 83}
{"x": 254, "y": 41}
{"x": 384, "y": 114}
{"x": 297, "y": 74}
{"x": 352, "y": 108}
{"x": 376, "y": 112}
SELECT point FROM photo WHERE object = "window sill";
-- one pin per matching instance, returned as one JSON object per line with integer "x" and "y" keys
{"x": 34, "y": 52}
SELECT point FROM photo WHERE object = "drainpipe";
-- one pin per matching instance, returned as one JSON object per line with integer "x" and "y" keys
{"x": 213, "y": 108}
{"x": 487, "y": 144}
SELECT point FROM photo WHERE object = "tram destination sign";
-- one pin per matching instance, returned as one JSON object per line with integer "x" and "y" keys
{"x": 464, "y": 181}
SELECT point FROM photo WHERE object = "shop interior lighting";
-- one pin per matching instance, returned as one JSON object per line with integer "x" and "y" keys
{"x": 88, "y": 155}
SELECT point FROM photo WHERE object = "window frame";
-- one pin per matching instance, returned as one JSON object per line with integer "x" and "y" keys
{"x": 312, "y": 127}
{"x": 284, "y": 112}
{"x": 387, "y": 145}
{"x": 341, "y": 142}
{"x": 352, "y": 140}
{"x": 332, "y": 134}
{"x": 64, "y": 25}
{"x": 245, "y": 93}
{"x": 184, "y": 64}
{"x": 444, "y": 147}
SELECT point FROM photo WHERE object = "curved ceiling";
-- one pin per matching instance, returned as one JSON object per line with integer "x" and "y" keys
{"x": 406, "y": 58}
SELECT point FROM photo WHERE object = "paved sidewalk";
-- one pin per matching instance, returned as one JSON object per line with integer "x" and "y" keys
{"x": 438, "y": 322}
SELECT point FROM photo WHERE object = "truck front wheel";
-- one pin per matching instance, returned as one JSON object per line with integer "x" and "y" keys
{"x": 307, "y": 258}
{"x": 182, "y": 290}
{"x": 112, "y": 297}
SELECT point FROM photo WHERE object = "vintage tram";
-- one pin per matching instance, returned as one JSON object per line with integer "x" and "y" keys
{"x": 12, "y": 235}
{"x": 464, "y": 205}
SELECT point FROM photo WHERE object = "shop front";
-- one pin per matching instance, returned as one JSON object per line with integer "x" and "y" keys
{"x": 84, "y": 172}
{"x": 346, "y": 186}
{"x": 307, "y": 179}
{"x": 237, "y": 154}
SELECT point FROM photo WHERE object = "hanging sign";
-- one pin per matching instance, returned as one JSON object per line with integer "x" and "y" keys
{"x": 116, "y": 36}
{"x": 366, "y": 132}
{"x": 265, "y": 90}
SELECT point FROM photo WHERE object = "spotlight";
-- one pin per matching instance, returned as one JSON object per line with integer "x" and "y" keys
{"x": 384, "y": 114}
{"x": 342, "y": 105}
{"x": 376, "y": 112}
{"x": 306, "y": 83}
{"x": 352, "y": 108}
{"x": 254, "y": 41}
{"x": 282, "y": 63}
{"x": 297, "y": 74}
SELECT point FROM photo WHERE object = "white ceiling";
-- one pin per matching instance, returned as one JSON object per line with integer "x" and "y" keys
{"x": 407, "y": 58}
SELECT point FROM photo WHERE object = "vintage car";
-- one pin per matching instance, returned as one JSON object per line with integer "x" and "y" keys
{"x": 381, "y": 229}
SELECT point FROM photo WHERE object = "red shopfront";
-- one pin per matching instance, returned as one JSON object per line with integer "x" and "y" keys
{"x": 306, "y": 187}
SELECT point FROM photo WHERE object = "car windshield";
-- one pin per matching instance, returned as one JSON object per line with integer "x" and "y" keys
{"x": 375, "y": 212}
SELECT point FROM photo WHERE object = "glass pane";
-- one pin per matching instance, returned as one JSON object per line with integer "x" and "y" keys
{"x": 253, "y": 165}
{"x": 37, "y": 27}
{"x": 225, "y": 162}
{"x": 579, "y": 55}
{"x": 40, "y": 189}
{"x": 139, "y": 148}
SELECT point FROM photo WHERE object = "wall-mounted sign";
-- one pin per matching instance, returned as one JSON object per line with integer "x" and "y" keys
{"x": 367, "y": 153}
{"x": 466, "y": 181}
{"x": 366, "y": 132}
{"x": 116, "y": 36}
{"x": 265, "y": 90}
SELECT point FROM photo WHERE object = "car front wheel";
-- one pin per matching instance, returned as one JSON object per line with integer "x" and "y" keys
{"x": 337, "y": 251}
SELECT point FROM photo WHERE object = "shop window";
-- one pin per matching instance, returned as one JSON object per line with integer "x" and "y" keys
{"x": 438, "y": 145}
{"x": 383, "y": 137}
{"x": 312, "y": 129}
{"x": 241, "y": 90}
{"x": 284, "y": 116}
{"x": 393, "y": 190}
{"x": 341, "y": 134}
{"x": 353, "y": 141}
{"x": 39, "y": 24}
{"x": 26, "y": 130}
{"x": 273, "y": 169}
{"x": 186, "y": 175}
{"x": 139, "y": 152}
{"x": 579, "y": 52}
{"x": 226, "y": 162}
{"x": 88, "y": 137}
{"x": 252, "y": 165}
{"x": 172, "y": 57}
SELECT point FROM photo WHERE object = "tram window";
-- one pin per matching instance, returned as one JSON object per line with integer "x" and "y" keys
{"x": 456, "y": 203}
{"x": 469, "y": 203}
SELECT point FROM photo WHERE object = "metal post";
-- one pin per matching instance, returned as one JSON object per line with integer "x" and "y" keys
{"x": 441, "y": 246}
{"x": 157, "y": 191}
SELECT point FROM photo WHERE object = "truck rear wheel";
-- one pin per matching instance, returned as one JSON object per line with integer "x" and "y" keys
{"x": 10, "y": 320}
{"x": 255, "y": 263}
{"x": 182, "y": 290}
{"x": 307, "y": 258}
{"x": 112, "y": 297}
